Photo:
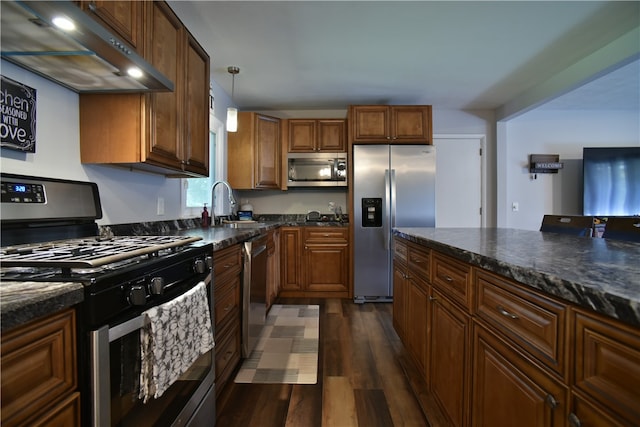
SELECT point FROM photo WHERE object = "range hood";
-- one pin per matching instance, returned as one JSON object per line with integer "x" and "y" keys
{"x": 88, "y": 59}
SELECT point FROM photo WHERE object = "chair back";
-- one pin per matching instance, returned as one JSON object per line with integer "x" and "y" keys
{"x": 568, "y": 224}
{"x": 622, "y": 228}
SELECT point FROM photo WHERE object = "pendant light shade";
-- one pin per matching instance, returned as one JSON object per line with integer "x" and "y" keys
{"x": 232, "y": 119}
{"x": 232, "y": 113}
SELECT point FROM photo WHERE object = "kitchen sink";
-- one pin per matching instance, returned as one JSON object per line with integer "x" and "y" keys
{"x": 243, "y": 224}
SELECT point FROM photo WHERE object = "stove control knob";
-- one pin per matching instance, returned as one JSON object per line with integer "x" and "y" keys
{"x": 209, "y": 261}
{"x": 137, "y": 295}
{"x": 200, "y": 266}
{"x": 156, "y": 286}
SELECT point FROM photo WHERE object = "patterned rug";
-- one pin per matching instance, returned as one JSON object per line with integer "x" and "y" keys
{"x": 287, "y": 351}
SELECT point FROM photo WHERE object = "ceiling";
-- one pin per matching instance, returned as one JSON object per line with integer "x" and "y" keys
{"x": 297, "y": 55}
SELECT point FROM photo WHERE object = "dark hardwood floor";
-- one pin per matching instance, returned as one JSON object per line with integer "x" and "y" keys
{"x": 361, "y": 377}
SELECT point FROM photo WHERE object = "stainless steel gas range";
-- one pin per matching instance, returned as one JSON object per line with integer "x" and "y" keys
{"x": 49, "y": 234}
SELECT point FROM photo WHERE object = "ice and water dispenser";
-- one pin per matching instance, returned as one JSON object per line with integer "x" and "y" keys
{"x": 372, "y": 212}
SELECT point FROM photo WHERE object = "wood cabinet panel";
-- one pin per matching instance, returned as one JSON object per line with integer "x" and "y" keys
{"x": 586, "y": 413}
{"x": 227, "y": 261}
{"x": 39, "y": 368}
{"x": 302, "y": 135}
{"x": 65, "y": 414}
{"x": 391, "y": 124}
{"x": 332, "y": 135}
{"x": 535, "y": 323}
{"x": 453, "y": 278}
{"x": 315, "y": 261}
{"x": 124, "y": 18}
{"x": 227, "y": 301}
{"x": 253, "y": 153}
{"x": 607, "y": 364}
{"x": 509, "y": 390}
{"x": 449, "y": 361}
{"x": 417, "y": 323}
{"x": 291, "y": 246}
{"x": 227, "y": 357}
{"x": 400, "y": 291}
{"x": 419, "y": 262}
{"x": 317, "y": 135}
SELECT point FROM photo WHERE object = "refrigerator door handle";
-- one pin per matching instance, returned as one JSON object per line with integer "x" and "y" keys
{"x": 393, "y": 198}
{"x": 386, "y": 221}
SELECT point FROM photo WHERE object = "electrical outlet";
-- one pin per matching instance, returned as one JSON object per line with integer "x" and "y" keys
{"x": 515, "y": 207}
{"x": 160, "y": 206}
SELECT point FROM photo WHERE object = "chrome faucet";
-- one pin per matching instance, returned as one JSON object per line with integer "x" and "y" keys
{"x": 232, "y": 200}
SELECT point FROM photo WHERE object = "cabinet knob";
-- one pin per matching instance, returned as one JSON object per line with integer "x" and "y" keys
{"x": 551, "y": 401}
{"x": 432, "y": 298}
{"x": 574, "y": 421}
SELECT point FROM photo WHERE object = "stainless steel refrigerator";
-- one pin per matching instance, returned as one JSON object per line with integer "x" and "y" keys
{"x": 393, "y": 186}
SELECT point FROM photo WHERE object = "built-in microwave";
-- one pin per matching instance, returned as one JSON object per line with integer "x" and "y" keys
{"x": 317, "y": 170}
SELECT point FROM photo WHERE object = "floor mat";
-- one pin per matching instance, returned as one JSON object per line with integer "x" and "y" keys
{"x": 287, "y": 351}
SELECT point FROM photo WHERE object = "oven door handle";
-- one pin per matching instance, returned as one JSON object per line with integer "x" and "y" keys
{"x": 127, "y": 327}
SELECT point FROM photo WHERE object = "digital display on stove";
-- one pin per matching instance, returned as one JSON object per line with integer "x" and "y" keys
{"x": 14, "y": 192}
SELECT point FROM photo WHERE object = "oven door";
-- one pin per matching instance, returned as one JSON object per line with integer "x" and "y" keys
{"x": 115, "y": 382}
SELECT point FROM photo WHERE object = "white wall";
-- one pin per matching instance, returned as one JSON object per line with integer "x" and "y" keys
{"x": 553, "y": 132}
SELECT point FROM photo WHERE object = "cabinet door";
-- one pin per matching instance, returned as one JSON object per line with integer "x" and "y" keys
{"x": 165, "y": 53}
{"x": 196, "y": 109}
{"x": 509, "y": 390}
{"x": 302, "y": 136}
{"x": 411, "y": 124}
{"x": 267, "y": 152}
{"x": 291, "y": 246}
{"x": 124, "y": 18}
{"x": 331, "y": 136}
{"x": 370, "y": 123}
{"x": 449, "y": 359}
{"x": 325, "y": 267}
{"x": 417, "y": 321}
{"x": 399, "y": 299}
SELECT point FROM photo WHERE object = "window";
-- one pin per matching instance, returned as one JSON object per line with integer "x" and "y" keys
{"x": 197, "y": 191}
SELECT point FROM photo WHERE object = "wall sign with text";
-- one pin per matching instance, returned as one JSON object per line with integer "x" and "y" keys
{"x": 17, "y": 116}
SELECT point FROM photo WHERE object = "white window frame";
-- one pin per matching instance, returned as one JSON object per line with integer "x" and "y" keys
{"x": 220, "y": 168}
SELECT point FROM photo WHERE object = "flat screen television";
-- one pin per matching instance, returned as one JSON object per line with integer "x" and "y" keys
{"x": 611, "y": 181}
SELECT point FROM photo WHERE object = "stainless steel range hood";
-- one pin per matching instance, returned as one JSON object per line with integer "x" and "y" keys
{"x": 89, "y": 59}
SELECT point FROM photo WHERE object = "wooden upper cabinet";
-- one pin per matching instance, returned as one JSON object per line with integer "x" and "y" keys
{"x": 317, "y": 135}
{"x": 165, "y": 48}
{"x": 253, "y": 153}
{"x": 124, "y": 18}
{"x": 196, "y": 135}
{"x": 160, "y": 132}
{"x": 396, "y": 124}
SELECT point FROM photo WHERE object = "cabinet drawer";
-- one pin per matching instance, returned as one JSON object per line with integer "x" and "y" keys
{"x": 227, "y": 356}
{"x": 38, "y": 366}
{"x": 227, "y": 301}
{"x": 535, "y": 323}
{"x": 418, "y": 259}
{"x": 607, "y": 364}
{"x": 326, "y": 235}
{"x": 66, "y": 413}
{"x": 227, "y": 261}
{"x": 453, "y": 278}
{"x": 400, "y": 249}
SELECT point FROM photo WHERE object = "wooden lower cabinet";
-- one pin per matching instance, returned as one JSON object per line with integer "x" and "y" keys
{"x": 510, "y": 390}
{"x": 227, "y": 279}
{"x": 39, "y": 372}
{"x": 606, "y": 372}
{"x": 449, "y": 368}
{"x": 499, "y": 353}
{"x": 315, "y": 262}
{"x": 273, "y": 266}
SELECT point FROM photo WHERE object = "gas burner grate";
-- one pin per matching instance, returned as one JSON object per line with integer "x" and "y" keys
{"x": 90, "y": 252}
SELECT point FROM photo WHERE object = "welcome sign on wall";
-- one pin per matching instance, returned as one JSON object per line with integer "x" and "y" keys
{"x": 17, "y": 116}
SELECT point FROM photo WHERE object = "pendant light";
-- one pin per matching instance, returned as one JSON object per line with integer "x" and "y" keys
{"x": 232, "y": 113}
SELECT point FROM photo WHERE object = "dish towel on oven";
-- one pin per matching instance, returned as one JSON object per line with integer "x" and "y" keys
{"x": 175, "y": 335}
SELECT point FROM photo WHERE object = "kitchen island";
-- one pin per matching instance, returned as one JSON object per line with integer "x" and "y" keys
{"x": 517, "y": 327}
{"x": 599, "y": 274}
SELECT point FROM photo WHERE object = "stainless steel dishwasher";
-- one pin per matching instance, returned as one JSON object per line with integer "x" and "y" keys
{"x": 254, "y": 292}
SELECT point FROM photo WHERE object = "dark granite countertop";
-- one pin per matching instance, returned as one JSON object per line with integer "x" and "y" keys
{"x": 600, "y": 274}
{"x": 21, "y": 302}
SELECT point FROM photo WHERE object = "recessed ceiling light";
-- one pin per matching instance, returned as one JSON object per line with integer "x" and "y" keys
{"x": 135, "y": 72}
{"x": 63, "y": 23}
